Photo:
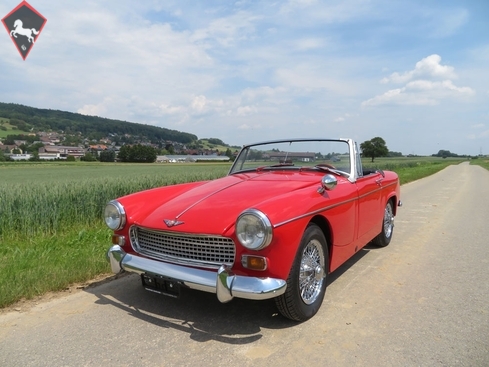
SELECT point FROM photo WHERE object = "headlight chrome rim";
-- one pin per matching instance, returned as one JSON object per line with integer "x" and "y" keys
{"x": 254, "y": 229}
{"x": 114, "y": 215}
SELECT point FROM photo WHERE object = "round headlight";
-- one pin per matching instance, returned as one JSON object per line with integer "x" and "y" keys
{"x": 253, "y": 229}
{"x": 115, "y": 216}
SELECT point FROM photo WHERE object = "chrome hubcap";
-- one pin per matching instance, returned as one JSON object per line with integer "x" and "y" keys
{"x": 311, "y": 276}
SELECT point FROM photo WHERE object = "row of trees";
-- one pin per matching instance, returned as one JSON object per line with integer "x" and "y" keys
{"x": 444, "y": 154}
{"x": 137, "y": 153}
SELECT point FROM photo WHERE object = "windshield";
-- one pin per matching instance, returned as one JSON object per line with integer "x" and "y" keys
{"x": 294, "y": 154}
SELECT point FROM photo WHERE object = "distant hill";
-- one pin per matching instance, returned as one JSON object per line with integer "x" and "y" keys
{"x": 36, "y": 119}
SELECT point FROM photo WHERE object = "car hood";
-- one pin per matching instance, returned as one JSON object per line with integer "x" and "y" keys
{"x": 213, "y": 207}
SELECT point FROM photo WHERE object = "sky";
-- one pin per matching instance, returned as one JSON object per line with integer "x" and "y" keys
{"x": 414, "y": 72}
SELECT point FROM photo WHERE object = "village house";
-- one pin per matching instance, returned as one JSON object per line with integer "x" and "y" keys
{"x": 20, "y": 157}
{"x": 96, "y": 149}
{"x": 60, "y": 152}
{"x": 9, "y": 149}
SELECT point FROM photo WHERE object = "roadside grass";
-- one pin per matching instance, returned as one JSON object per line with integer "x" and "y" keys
{"x": 412, "y": 168}
{"x": 483, "y": 162}
{"x": 33, "y": 266}
{"x": 51, "y": 227}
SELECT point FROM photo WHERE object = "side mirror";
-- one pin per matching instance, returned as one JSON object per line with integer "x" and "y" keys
{"x": 328, "y": 182}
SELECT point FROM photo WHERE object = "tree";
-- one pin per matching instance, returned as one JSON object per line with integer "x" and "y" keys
{"x": 34, "y": 156}
{"x": 216, "y": 141}
{"x": 445, "y": 154}
{"x": 230, "y": 154}
{"x": 374, "y": 148}
{"x": 107, "y": 156}
{"x": 137, "y": 153}
{"x": 124, "y": 153}
{"x": 88, "y": 157}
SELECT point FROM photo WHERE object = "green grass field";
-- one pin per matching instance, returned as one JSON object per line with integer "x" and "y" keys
{"x": 52, "y": 232}
{"x": 9, "y": 130}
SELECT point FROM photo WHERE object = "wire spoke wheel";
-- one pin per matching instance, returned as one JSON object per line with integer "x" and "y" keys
{"x": 311, "y": 276}
{"x": 384, "y": 237}
{"x": 306, "y": 283}
{"x": 388, "y": 220}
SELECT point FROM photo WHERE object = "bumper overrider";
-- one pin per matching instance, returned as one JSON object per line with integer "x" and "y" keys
{"x": 224, "y": 283}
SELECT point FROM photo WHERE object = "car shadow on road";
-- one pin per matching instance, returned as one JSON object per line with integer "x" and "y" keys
{"x": 347, "y": 265}
{"x": 199, "y": 314}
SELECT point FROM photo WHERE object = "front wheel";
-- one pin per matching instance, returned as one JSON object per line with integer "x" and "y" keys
{"x": 306, "y": 283}
{"x": 384, "y": 237}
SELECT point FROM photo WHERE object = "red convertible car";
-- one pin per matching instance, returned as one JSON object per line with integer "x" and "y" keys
{"x": 288, "y": 213}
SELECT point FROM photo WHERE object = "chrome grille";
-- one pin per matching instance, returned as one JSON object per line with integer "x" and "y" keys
{"x": 188, "y": 249}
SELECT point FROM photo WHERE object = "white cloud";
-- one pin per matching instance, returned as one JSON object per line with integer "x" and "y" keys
{"x": 249, "y": 127}
{"x": 198, "y": 103}
{"x": 306, "y": 44}
{"x": 92, "y": 110}
{"x": 422, "y": 85}
{"x": 310, "y": 77}
{"x": 480, "y": 135}
{"x": 246, "y": 110}
{"x": 170, "y": 110}
{"x": 343, "y": 118}
{"x": 227, "y": 31}
{"x": 429, "y": 67}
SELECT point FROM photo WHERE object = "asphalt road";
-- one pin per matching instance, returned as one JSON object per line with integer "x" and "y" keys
{"x": 421, "y": 301}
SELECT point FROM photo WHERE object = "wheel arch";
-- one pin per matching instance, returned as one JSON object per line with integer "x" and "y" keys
{"x": 325, "y": 227}
{"x": 393, "y": 199}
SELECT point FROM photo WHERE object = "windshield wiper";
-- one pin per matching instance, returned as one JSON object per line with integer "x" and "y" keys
{"x": 278, "y": 165}
{"x": 262, "y": 168}
{"x": 323, "y": 167}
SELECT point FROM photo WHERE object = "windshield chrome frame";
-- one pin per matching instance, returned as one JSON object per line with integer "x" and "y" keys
{"x": 352, "y": 150}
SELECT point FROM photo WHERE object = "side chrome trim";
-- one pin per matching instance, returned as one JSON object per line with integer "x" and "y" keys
{"x": 314, "y": 212}
{"x": 331, "y": 206}
{"x": 225, "y": 284}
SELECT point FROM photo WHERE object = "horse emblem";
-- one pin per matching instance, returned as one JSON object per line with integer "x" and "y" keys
{"x": 24, "y": 14}
{"x": 18, "y": 29}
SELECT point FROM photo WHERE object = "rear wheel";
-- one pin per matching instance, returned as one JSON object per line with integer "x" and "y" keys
{"x": 306, "y": 284}
{"x": 384, "y": 237}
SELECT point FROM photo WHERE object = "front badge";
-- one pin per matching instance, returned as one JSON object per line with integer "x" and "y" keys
{"x": 172, "y": 222}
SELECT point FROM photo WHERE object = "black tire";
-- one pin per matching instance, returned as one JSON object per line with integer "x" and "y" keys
{"x": 385, "y": 236}
{"x": 306, "y": 283}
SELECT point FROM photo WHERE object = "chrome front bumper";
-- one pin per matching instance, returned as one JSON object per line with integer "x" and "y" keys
{"x": 224, "y": 283}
